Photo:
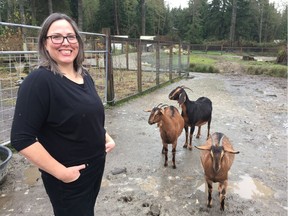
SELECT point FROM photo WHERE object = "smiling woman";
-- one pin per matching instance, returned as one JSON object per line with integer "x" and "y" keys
{"x": 59, "y": 121}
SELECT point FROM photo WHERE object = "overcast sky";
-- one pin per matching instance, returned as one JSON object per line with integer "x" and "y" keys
{"x": 184, "y": 3}
{"x": 177, "y": 3}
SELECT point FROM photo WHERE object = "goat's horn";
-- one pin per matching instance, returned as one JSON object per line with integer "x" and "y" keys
{"x": 159, "y": 104}
{"x": 163, "y": 105}
{"x": 212, "y": 140}
{"x": 185, "y": 87}
{"x": 221, "y": 140}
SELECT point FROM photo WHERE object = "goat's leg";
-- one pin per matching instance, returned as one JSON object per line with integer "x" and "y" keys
{"x": 210, "y": 188}
{"x": 199, "y": 132}
{"x": 165, "y": 147}
{"x": 192, "y": 128}
{"x": 173, "y": 154}
{"x": 208, "y": 128}
{"x": 186, "y": 136}
{"x": 222, "y": 194}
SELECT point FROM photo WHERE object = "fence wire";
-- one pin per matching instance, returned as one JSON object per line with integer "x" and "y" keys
{"x": 137, "y": 65}
{"x": 19, "y": 56}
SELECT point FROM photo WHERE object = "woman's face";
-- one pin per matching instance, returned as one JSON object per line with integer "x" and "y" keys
{"x": 63, "y": 53}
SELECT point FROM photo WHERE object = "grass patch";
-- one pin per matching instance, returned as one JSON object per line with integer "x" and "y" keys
{"x": 268, "y": 68}
{"x": 202, "y": 60}
{"x": 274, "y": 71}
{"x": 203, "y": 64}
{"x": 208, "y": 64}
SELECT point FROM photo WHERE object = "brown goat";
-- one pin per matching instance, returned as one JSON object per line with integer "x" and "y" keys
{"x": 217, "y": 157}
{"x": 170, "y": 124}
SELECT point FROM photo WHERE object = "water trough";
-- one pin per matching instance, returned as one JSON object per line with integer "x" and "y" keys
{"x": 5, "y": 156}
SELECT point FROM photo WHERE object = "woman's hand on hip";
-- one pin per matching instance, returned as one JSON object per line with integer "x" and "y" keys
{"x": 110, "y": 144}
{"x": 72, "y": 173}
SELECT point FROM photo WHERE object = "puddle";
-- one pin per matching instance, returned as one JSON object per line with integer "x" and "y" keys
{"x": 202, "y": 188}
{"x": 150, "y": 185}
{"x": 250, "y": 188}
{"x": 247, "y": 188}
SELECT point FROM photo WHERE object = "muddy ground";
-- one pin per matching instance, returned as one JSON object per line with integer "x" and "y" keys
{"x": 250, "y": 110}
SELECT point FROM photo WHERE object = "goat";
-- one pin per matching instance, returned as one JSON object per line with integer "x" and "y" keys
{"x": 217, "y": 157}
{"x": 194, "y": 113}
{"x": 170, "y": 124}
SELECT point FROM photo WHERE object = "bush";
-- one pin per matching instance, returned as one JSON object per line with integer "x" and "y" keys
{"x": 282, "y": 56}
{"x": 203, "y": 68}
{"x": 272, "y": 71}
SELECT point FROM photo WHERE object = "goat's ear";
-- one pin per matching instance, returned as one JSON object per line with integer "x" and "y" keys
{"x": 231, "y": 151}
{"x": 205, "y": 147}
{"x": 149, "y": 110}
{"x": 182, "y": 98}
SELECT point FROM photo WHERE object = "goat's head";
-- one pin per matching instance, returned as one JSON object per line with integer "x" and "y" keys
{"x": 179, "y": 94}
{"x": 155, "y": 113}
{"x": 217, "y": 151}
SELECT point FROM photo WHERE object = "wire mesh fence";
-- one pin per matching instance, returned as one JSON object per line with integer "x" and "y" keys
{"x": 136, "y": 65}
{"x": 120, "y": 66}
{"x": 19, "y": 56}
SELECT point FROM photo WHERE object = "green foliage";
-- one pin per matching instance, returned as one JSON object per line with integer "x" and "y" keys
{"x": 202, "y": 68}
{"x": 202, "y": 63}
{"x": 207, "y": 63}
{"x": 282, "y": 56}
{"x": 256, "y": 21}
{"x": 274, "y": 71}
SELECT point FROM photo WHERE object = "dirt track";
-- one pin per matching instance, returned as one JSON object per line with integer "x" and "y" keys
{"x": 250, "y": 110}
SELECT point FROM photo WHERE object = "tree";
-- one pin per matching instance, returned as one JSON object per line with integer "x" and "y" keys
{"x": 143, "y": 17}
{"x": 218, "y": 20}
{"x": 50, "y": 6}
{"x": 233, "y": 22}
{"x": 197, "y": 9}
{"x": 116, "y": 15}
{"x": 80, "y": 14}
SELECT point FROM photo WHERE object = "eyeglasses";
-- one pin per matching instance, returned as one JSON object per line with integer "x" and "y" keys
{"x": 59, "y": 39}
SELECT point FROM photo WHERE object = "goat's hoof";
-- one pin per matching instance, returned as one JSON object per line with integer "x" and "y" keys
{"x": 185, "y": 146}
{"x": 197, "y": 137}
{"x": 222, "y": 208}
{"x": 190, "y": 148}
{"x": 165, "y": 165}
{"x": 174, "y": 167}
{"x": 209, "y": 206}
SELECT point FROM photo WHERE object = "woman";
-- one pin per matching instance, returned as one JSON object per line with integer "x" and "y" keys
{"x": 59, "y": 121}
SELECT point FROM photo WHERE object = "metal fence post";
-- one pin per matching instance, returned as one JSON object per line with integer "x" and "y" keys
{"x": 157, "y": 63}
{"x": 139, "y": 66}
{"x": 170, "y": 60}
{"x": 127, "y": 54}
{"x": 179, "y": 59}
{"x": 188, "y": 59}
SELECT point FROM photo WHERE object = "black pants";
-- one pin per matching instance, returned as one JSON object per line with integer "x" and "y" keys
{"x": 77, "y": 198}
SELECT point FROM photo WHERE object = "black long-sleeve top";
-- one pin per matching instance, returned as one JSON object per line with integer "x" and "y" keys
{"x": 65, "y": 117}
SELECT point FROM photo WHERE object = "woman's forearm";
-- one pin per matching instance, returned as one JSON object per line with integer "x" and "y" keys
{"x": 38, "y": 155}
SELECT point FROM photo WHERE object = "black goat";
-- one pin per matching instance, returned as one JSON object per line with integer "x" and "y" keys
{"x": 194, "y": 113}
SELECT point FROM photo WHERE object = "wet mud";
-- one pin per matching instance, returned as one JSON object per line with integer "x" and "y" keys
{"x": 250, "y": 110}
